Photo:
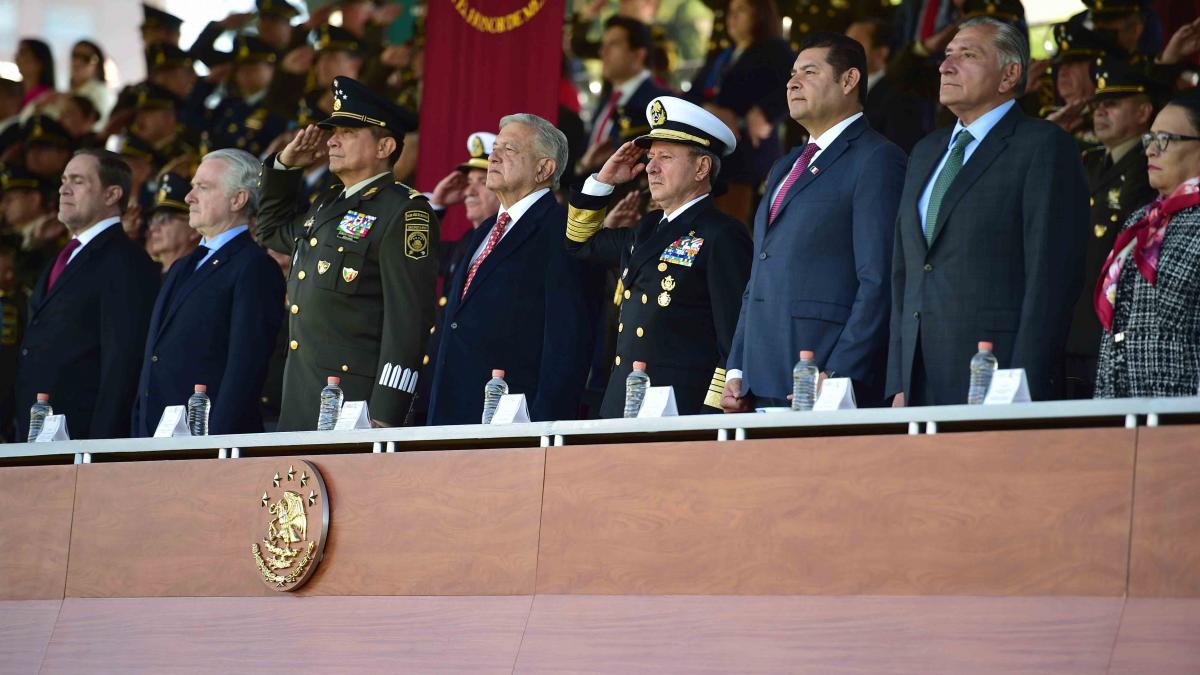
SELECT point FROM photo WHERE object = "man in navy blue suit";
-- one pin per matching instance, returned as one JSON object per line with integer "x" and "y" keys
{"x": 219, "y": 310}
{"x": 822, "y": 241}
{"x": 518, "y": 301}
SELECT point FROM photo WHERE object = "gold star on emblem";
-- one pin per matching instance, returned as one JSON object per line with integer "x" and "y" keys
{"x": 303, "y": 478}
{"x": 265, "y": 499}
{"x": 291, "y": 473}
{"x": 275, "y": 481}
{"x": 312, "y": 498}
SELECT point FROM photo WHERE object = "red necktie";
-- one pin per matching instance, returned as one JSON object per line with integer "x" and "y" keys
{"x": 929, "y": 20}
{"x": 493, "y": 239}
{"x": 60, "y": 263}
{"x": 798, "y": 168}
{"x": 600, "y": 131}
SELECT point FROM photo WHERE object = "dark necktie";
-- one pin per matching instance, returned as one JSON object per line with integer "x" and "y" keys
{"x": 189, "y": 266}
{"x": 954, "y": 164}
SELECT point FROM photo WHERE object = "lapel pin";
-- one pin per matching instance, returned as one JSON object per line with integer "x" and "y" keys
{"x": 814, "y": 170}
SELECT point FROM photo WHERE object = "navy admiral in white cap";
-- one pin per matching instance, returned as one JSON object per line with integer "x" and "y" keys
{"x": 682, "y": 268}
{"x": 364, "y": 265}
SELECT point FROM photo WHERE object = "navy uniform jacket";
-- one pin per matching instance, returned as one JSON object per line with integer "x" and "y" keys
{"x": 215, "y": 326}
{"x": 362, "y": 284}
{"x": 527, "y": 312}
{"x": 680, "y": 290}
{"x": 81, "y": 345}
{"x": 820, "y": 280}
{"x": 1005, "y": 264}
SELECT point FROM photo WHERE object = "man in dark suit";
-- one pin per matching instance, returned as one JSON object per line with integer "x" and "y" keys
{"x": 990, "y": 235}
{"x": 517, "y": 301}
{"x": 1122, "y": 110}
{"x": 365, "y": 261}
{"x": 90, "y": 307}
{"x": 894, "y": 111}
{"x": 219, "y": 310}
{"x": 682, "y": 268}
{"x": 822, "y": 240}
{"x": 626, "y": 50}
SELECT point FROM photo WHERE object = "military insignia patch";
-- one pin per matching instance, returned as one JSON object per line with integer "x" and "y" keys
{"x": 1114, "y": 198}
{"x": 664, "y": 299}
{"x": 349, "y": 274}
{"x": 658, "y": 114}
{"x": 416, "y": 234}
{"x": 337, "y": 104}
{"x": 296, "y": 510}
{"x": 476, "y": 146}
{"x": 370, "y": 193}
{"x": 308, "y": 224}
{"x": 322, "y": 267}
{"x": 355, "y": 225}
{"x": 668, "y": 283}
{"x": 683, "y": 251}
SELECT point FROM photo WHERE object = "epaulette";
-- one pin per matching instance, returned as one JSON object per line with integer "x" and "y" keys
{"x": 413, "y": 193}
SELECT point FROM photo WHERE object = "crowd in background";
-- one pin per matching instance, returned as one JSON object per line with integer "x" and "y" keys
{"x": 1111, "y": 70}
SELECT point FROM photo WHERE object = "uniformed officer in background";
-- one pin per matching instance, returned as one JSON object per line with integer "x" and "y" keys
{"x": 1123, "y": 107}
{"x": 365, "y": 261}
{"x": 683, "y": 269}
{"x": 243, "y": 120}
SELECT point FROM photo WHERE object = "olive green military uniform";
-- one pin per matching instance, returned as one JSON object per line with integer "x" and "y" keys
{"x": 361, "y": 292}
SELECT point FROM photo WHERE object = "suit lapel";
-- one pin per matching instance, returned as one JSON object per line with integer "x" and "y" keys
{"x": 219, "y": 259}
{"x": 989, "y": 149}
{"x": 75, "y": 267}
{"x": 828, "y": 157}
{"x": 522, "y": 230}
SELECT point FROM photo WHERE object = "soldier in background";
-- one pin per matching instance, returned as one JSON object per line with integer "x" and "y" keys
{"x": 169, "y": 237}
{"x": 242, "y": 120}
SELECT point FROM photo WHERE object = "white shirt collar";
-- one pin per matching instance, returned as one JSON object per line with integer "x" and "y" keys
{"x": 826, "y": 139}
{"x": 677, "y": 212}
{"x": 631, "y": 85}
{"x": 981, "y": 127}
{"x": 517, "y": 210}
{"x": 94, "y": 231}
{"x": 353, "y": 189}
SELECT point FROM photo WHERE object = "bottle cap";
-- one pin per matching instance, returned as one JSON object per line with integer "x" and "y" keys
{"x": 333, "y": 379}
{"x": 806, "y": 354}
{"x": 985, "y": 346}
{"x": 201, "y": 388}
{"x": 497, "y": 372}
{"x": 639, "y": 365}
{"x": 43, "y": 397}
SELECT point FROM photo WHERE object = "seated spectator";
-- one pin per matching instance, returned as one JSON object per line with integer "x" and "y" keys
{"x": 87, "y": 78}
{"x": 36, "y": 64}
{"x": 1149, "y": 288}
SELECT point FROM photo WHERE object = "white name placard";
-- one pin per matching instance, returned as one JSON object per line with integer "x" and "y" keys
{"x": 837, "y": 393}
{"x": 1008, "y": 386}
{"x": 173, "y": 422}
{"x": 354, "y": 415}
{"x": 511, "y": 409}
{"x": 54, "y": 428}
{"x": 659, "y": 402}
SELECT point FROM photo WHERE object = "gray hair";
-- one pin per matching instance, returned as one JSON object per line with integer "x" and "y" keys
{"x": 1012, "y": 45}
{"x": 242, "y": 174}
{"x": 548, "y": 141}
{"x": 712, "y": 157}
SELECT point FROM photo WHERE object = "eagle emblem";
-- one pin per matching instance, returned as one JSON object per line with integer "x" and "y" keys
{"x": 297, "y": 518}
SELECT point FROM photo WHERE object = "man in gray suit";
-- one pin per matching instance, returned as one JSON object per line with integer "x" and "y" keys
{"x": 822, "y": 241}
{"x": 991, "y": 231}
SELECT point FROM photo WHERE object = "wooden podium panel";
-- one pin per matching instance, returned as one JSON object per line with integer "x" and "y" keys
{"x": 25, "y": 629}
{"x": 1165, "y": 557}
{"x": 1159, "y": 636}
{"x": 415, "y": 523}
{"x": 993, "y": 513}
{"x": 35, "y": 531}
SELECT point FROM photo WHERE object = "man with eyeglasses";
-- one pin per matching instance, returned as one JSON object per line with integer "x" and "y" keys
{"x": 1123, "y": 107}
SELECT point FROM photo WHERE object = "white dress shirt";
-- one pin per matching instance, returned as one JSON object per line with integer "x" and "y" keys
{"x": 91, "y": 233}
{"x": 979, "y": 130}
{"x": 514, "y": 213}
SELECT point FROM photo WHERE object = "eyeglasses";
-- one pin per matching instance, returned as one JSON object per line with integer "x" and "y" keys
{"x": 1162, "y": 139}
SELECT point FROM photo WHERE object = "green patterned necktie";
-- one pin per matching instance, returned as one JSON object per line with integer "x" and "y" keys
{"x": 953, "y": 165}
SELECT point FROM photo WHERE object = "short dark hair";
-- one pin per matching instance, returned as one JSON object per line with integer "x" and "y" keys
{"x": 881, "y": 30}
{"x": 1190, "y": 102}
{"x": 380, "y": 133}
{"x": 86, "y": 107}
{"x": 844, "y": 53}
{"x": 637, "y": 33}
{"x": 112, "y": 170}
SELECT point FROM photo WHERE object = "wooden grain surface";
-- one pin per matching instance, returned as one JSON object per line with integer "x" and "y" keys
{"x": 35, "y": 530}
{"x": 288, "y": 634}
{"x": 997, "y": 513}
{"x": 416, "y": 523}
{"x": 1159, "y": 636}
{"x": 25, "y": 628}
{"x": 1165, "y": 555}
{"x": 827, "y": 634}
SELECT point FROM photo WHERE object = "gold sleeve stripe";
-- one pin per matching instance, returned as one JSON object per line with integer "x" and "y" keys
{"x": 617, "y": 297}
{"x": 583, "y": 224}
{"x": 713, "y": 400}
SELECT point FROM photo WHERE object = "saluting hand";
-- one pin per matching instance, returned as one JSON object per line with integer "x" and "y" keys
{"x": 450, "y": 190}
{"x": 306, "y": 147}
{"x": 623, "y": 166}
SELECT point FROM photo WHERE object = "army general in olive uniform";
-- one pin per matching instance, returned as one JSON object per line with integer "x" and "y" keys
{"x": 364, "y": 262}
{"x": 683, "y": 269}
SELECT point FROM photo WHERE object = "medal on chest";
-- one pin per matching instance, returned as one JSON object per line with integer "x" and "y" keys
{"x": 683, "y": 251}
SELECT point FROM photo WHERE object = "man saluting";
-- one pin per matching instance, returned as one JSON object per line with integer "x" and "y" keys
{"x": 364, "y": 266}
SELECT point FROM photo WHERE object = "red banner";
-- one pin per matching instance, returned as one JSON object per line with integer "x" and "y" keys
{"x": 483, "y": 59}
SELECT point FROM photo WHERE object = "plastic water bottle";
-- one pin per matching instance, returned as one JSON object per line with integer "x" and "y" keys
{"x": 804, "y": 382}
{"x": 37, "y": 415}
{"x": 635, "y": 388}
{"x": 983, "y": 365}
{"x": 492, "y": 391}
{"x": 331, "y": 404}
{"x": 197, "y": 411}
